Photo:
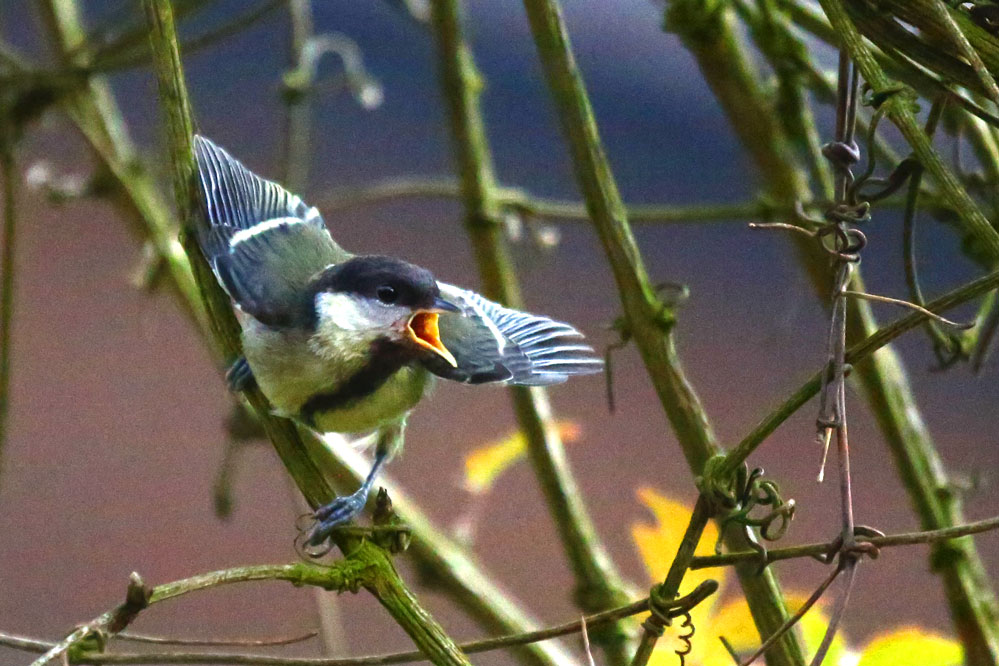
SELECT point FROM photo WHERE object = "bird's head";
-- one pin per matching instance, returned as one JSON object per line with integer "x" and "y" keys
{"x": 371, "y": 299}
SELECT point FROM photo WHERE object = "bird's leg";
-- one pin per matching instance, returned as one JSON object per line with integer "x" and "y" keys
{"x": 344, "y": 509}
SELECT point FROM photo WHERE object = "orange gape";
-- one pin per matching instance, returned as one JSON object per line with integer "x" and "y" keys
{"x": 424, "y": 332}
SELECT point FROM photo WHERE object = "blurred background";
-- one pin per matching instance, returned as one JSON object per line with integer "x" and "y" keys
{"x": 117, "y": 412}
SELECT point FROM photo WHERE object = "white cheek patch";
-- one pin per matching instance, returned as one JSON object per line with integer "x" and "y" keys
{"x": 263, "y": 227}
{"x": 343, "y": 312}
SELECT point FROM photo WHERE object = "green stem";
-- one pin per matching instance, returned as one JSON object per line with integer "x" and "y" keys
{"x": 385, "y": 584}
{"x": 899, "y": 109}
{"x": 972, "y": 602}
{"x": 598, "y": 584}
{"x": 96, "y": 115}
{"x": 649, "y": 321}
{"x": 855, "y": 354}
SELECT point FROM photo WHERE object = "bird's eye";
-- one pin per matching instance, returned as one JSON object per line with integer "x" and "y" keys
{"x": 386, "y": 294}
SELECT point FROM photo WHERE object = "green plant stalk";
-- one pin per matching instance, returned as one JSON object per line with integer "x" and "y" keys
{"x": 101, "y": 124}
{"x": 972, "y": 601}
{"x": 434, "y": 554}
{"x": 649, "y": 321}
{"x": 898, "y": 108}
{"x": 598, "y": 584}
{"x": 883, "y": 377}
{"x": 385, "y": 584}
{"x": 296, "y": 159}
{"x": 856, "y": 354}
{"x": 92, "y": 108}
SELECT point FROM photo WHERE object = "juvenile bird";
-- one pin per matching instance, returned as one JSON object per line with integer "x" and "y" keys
{"x": 347, "y": 343}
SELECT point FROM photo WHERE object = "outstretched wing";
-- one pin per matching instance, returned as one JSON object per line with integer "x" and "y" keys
{"x": 264, "y": 243}
{"x": 492, "y": 343}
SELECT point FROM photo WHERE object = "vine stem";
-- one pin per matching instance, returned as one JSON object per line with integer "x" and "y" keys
{"x": 303, "y": 573}
{"x": 649, "y": 321}
{"x": 386, "y": 585}
{"x": 598, "y": 585}
{"x": 854, "y": 354}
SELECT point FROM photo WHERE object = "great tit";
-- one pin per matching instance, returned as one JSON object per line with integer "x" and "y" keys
{"x": 349, "y": 343}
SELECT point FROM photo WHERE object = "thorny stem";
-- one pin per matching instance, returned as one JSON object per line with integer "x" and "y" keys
{"x": 387, "y": 587}
{"x": 598, "y": 585}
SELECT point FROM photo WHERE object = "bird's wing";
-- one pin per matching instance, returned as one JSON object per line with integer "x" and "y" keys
{"x": 492, "y": 343}
{"x": 263, "y": 242}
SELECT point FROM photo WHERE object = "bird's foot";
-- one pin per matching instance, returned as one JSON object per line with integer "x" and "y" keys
{"x": 335, "y": 514}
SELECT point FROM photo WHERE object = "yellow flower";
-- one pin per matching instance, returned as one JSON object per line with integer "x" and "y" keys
{"x": 484, "y": 464}
{"x": 657, "y": 543}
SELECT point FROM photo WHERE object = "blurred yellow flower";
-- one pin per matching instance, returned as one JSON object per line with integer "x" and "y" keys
{"x": 484, "y": 464}
{"x": 657, "y": 543}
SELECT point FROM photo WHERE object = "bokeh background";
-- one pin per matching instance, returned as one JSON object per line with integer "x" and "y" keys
{"x": 117, "y": 411}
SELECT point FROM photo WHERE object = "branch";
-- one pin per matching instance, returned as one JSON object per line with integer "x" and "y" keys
{"x": 94, "y": 111}
{"x": 678, "y": 606}
{"x": 818, "y": 549}
{"x": 107, "y": 624}
{"x": 598, "y": 584}
{"x": 854, "y": 355}
{"x": 386, "y": 586}
{"x": 649, "y": 320}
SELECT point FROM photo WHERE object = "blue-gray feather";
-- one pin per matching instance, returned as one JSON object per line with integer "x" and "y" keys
{"x": 492, "y": 343}
{"x": 263, "y": 242}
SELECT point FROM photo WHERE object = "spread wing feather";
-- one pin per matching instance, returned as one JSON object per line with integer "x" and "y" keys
{"x": 492, "y": 343}
{"x": 264, "y": 243}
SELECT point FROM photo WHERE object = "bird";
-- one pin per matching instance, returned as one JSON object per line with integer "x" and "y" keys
{"x": 351, "y": 343}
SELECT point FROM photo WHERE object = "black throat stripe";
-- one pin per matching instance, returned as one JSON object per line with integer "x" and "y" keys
{"x": 387, "y": 358}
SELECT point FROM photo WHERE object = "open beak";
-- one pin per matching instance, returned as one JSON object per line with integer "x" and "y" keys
{"x": 423, "y": 330}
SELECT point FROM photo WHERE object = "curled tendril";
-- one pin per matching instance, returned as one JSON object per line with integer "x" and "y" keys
{"x": 688, "y": 645}
{"x": 749, "y": 491}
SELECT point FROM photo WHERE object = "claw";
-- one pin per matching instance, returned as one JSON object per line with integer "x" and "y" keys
{"x": 337, "y": 512}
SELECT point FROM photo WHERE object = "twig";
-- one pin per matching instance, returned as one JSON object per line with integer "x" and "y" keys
{"x": 816, "y": 549}
{"x": 849, "y": 569}
{"x": 964, "y": 47}
{"x": 484, "y": 645}
{"x": 598, "y": 584}
{"x": 387, "y": 587}
{"x": 137, "y": 597}
{"x": 517, "y": 199}
{"x": 649, "y": 320}
{"x": 793, "y": 620}
{"x": 261, "y": 642}
{"x": 855, "y": 354}
{"x": 906, "y": 304}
